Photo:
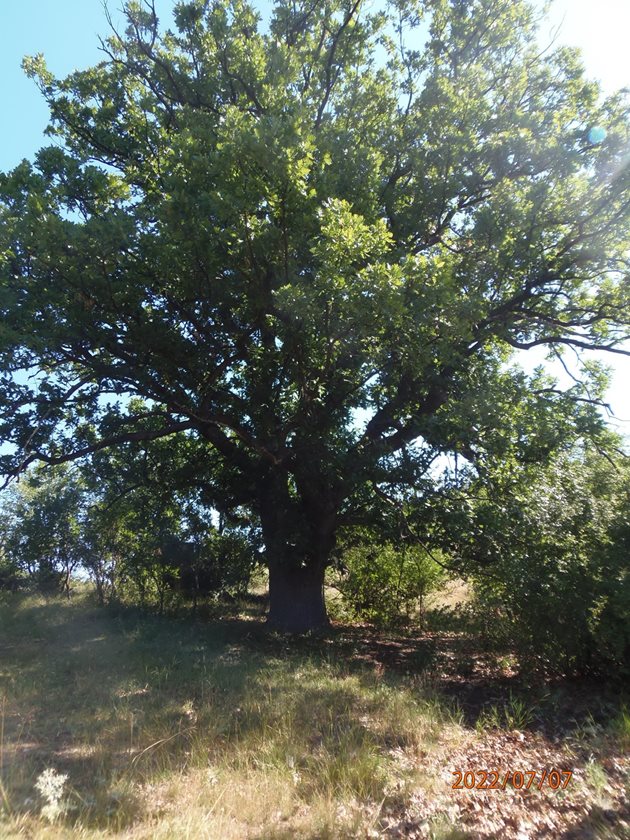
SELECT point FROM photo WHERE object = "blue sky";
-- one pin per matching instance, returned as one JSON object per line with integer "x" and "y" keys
{"x": 67, "y": 33}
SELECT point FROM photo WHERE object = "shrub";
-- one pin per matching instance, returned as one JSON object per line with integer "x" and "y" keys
{"x": 221, "y": 564}
{"x": 385, "y": 584}
{"x": 11, "y": 578}
{"x": 560, "y": 590}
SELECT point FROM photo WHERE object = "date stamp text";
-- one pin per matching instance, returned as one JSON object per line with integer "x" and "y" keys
{"x": 518, "y": 779}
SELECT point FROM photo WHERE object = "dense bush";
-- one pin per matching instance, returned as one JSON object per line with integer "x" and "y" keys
{"x": 385, "y": 584}
{"x": 11, "y": 578}
{"x": 158, "y": 562}
{"x": 138, "y": 541}
{"x": 220, "y": 564}
{"x": 557, "y": 584}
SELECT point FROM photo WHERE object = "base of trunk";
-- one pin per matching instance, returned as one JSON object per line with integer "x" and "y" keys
{"x": 296, "y": 599}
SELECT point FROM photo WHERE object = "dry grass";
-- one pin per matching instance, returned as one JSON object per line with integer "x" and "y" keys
{"x": 173, "y": 728}
{"x": 453, "y": 594}
{"x": 177, "y": 729}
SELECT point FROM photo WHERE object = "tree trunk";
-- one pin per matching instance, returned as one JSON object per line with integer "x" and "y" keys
{"x": 299, "y": 534}
{"x": 296, "y": 598}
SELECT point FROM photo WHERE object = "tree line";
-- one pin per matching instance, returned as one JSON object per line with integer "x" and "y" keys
{"x": 543, "y": 548}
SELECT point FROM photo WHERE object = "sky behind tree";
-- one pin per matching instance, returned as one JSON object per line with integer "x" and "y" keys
{"x": 67, "y": 33}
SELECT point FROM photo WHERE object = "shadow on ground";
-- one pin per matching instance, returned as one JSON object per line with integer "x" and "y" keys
{"x": 98, "y": 693}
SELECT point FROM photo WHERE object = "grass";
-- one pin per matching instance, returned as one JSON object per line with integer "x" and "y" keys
{"x": 182, "y": 728}
{"x": 513, "y": 714}
{"x": 143, "y": 714}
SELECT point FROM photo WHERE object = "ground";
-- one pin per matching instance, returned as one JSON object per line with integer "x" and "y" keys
{"x": 197, "y": 728}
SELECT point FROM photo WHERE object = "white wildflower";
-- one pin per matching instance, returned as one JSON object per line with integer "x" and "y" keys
{"x": 51, "y": 785}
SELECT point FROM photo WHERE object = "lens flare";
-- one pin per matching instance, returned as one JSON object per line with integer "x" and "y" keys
{"x": 597, "y": 134}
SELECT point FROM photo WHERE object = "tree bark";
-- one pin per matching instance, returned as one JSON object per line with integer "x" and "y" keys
{"x": 296, "y": 598}
{"x": 299, "y": 534}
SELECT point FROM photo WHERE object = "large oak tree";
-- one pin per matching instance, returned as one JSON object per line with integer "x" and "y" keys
{"x": 310, "y": 249}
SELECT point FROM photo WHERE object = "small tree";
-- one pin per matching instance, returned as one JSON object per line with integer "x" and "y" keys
{"x": 309, "y": 250}
{"x": 42, "y": 536}
{"x": 153, "y": 530}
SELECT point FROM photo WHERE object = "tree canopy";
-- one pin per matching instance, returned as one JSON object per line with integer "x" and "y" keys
{"x": 310, "y": 249}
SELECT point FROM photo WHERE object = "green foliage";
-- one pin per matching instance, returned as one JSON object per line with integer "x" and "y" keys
{"x": 159, "y": 553}
{"x": 11, "y": 576}
{"x": 42, "y": 530}
{"x": 136, "y": 538}
{"x": 246, "y": 239}
{"x": 219, "y": 564}
{"x": 154, "y": 538}
{"x": 514, "y": 713}
{"x": 385, "y": 584}
{"x": 558, "y": 590}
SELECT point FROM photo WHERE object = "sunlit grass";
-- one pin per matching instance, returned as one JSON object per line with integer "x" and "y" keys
{"x": 176, "y": 728}
{"x": 188, "y": 728}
